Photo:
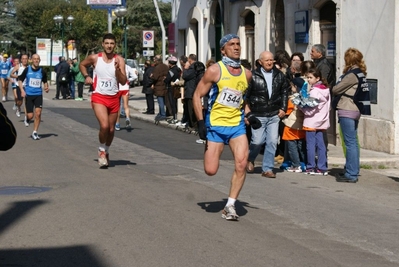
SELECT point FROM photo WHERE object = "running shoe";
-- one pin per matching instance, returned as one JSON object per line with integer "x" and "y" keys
{"x": 4, "y": 99}
{"x": 35, "y": 136}
{"x": 320, "y": 172}
{"x": 14, "y": 107}
{"x": 128, "y": 125}
{"x": 294, "y": 169}
{"x": 200, "y": 141}
{"x": 180, "y": 124}
{"x": 26, "y": 122}
{"x": 117, "y": 127}
{"x": 102, "y": 158}
{"x": 18, "y": 113}
{"x": 229, "y": 213}
{"x": 309, "y": 171}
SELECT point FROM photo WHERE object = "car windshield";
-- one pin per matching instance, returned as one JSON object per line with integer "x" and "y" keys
{"x": 131, "y": 63}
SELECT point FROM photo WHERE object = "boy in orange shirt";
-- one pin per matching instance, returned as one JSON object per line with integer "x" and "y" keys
{"x": 293, "y": 133}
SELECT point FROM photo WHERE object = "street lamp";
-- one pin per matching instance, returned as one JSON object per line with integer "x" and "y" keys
{"x": 121, "y": 12}
{"x": 59, "y": 22}
{"x": 6, "y": 44}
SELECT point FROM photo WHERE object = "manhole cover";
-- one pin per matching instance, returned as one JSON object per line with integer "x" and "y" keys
{"x": 22, "y": 190}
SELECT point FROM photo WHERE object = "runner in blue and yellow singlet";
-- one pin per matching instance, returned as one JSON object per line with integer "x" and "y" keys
{"x": 225, "y": 83}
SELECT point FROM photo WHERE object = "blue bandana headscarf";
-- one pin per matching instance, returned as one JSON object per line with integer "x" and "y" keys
{"x": 227, "y": 38}
{"x": 228, "y": 61}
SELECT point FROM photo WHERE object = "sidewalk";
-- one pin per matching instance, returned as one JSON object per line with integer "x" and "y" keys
{"x": 368, "y": 158}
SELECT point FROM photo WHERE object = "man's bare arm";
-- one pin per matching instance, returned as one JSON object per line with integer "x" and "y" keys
{"x": 211, "y": 76}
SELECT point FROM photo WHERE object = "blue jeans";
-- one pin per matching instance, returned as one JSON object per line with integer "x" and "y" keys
{"x": 122, "y": 108}
{"x": 72, "y": 88}
{"x": 266, "y": 135}
{"x": 161, "y": 104}
{"x": 349, "y": 135}
{"x": 315, "y": 142}
{"x": 296, "y": 151}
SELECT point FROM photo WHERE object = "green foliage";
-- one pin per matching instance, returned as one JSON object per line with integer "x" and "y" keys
{"x": 34, "y": 18}
{"x": 142, "y": 16}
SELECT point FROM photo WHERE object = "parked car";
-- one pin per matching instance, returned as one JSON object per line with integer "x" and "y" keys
{"x": 133, "y": 64}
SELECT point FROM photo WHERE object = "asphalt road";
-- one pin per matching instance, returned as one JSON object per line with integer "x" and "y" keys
{"x": 154, "y": 206}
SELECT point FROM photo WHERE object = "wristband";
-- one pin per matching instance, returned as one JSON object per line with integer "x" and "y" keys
{"x": 87, "y": 75}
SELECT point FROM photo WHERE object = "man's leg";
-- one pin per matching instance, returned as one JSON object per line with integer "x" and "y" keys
{"x": 112, "y": 120}
{"x": 3, "y": 90}
{"x": 101, "y": 113}
{"x": 239, "y": 148}
{"x": 38, "y": 116}
{"x": 271, "y": 143}
{"x": 212, "y": 154}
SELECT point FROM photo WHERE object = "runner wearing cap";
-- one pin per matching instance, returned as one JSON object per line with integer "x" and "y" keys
{"x": 225, "y": 83}
{"x": 5, "y": 66}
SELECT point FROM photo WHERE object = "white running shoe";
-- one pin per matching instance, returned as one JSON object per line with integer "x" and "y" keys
{"x": 180, "y": 124}
{"x": 102, "y": 158}
{"x": 26, "y": 122}
{"x": 200, "y": 141}
{"x": 4, "y": 99}
{"x": 35, "y": 136}
{"x": 294, "y": 169}
{"x": 14, "y": 107}
{"x": 229, "y": 213}
{"x": 18, "y": 113}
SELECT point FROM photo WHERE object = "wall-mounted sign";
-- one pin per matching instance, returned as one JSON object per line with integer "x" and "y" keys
{"x": 302, "y": 27}
{"x": 148, "y": 38}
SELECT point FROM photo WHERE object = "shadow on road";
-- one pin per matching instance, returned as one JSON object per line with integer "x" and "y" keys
{"x": 17, "y": 211}
{"x": 50, "y": 257}
{"x": 217, "y": 206}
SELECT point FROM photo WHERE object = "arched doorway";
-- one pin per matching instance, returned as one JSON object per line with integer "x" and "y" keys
{"x": 218, "y": 32}
{"x": 250, "y": 37}
{"x": 279, "y": 20}
{"x": 328, "y": 29}
{"x": 328, "y": 39}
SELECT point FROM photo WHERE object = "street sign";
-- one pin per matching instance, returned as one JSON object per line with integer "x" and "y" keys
{"x": 148, "y": 53}
{"x": 148, "y": 38}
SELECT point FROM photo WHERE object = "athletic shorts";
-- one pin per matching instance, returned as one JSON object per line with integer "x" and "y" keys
{"x": 124, "y": 92}
{"x": 33, "y": 101}
{"x": 111, "y": 102}
{"x": 223, "y": 134}
{"x": 18, "y": 91}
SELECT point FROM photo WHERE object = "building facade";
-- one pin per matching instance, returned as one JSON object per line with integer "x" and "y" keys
{"x": 295, "y": 25}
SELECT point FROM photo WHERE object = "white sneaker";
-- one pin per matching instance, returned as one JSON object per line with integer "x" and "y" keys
{"x": 35, "y": 136}
{"x": 18, "y": 113}
{"x": 294, "y": 169}
{"x": 229, "y": 213}
{"x": 14, "y": 107}
{"x": 180, "y": 124}
{"x": 200, "y": 141}
{"x": 26, "y": 122}
{"x": 3, "y": 99}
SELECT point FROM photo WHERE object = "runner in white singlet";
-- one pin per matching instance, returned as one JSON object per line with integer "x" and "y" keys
{"x": 109, "y": 70}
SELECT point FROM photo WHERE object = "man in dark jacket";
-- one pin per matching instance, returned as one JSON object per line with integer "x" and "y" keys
{"x": 57, "y": 91}
{"x": 173, "y": 75}
{"x": 158, "y": 76}
{"x": 147, "y": 90}
{"x": 267, "y": 98}
{"x": 189, "y": 76}
{"x": 318, "y": 55}
{"x": 63, "y": 73}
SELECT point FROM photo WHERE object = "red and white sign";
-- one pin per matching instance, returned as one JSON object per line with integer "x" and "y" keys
{"x": 148, "y": 38}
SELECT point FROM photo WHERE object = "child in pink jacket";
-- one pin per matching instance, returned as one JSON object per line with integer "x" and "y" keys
{"x": 316, "y": 121}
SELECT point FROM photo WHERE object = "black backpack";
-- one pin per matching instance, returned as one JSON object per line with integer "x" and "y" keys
{"x": 361, "y": 98}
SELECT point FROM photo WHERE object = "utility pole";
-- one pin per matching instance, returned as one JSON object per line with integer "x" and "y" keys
{"x": 163, "y": 30}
